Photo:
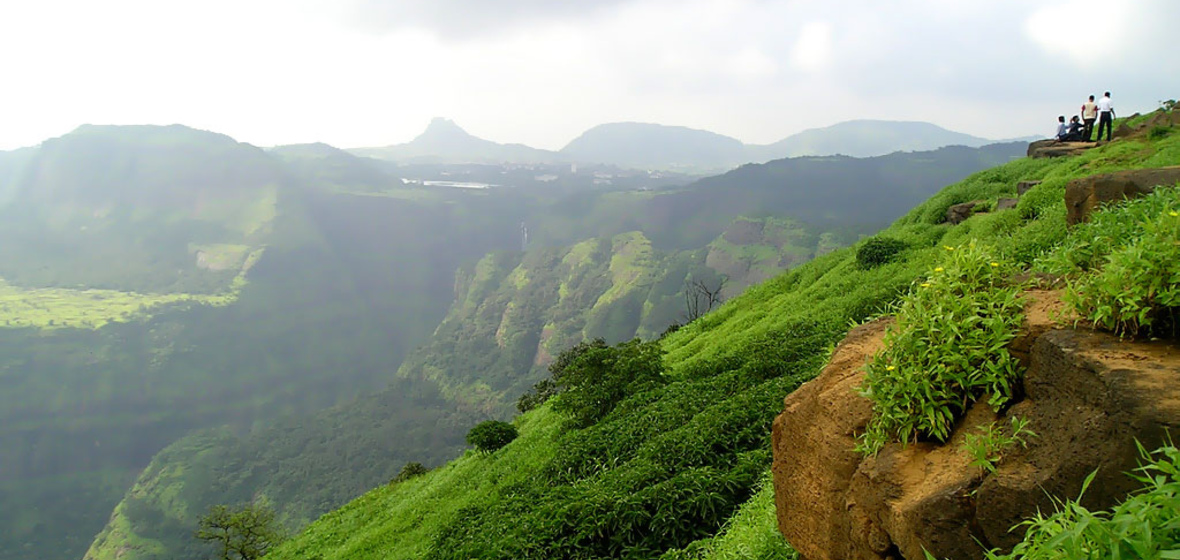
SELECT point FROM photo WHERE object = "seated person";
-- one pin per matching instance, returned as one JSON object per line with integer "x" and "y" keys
{"x": 1062, "y": 129}
{"x": 1076, "y": 132}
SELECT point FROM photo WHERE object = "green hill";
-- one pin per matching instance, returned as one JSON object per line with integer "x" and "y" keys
{"x": 865, "y": 138}
{"x": 655, "y": 146}
{"x": 512, "y": 313}
{"x": 677, "y": 468}
{"x": 167, "y": 282}
{"x": 179, "y": 210}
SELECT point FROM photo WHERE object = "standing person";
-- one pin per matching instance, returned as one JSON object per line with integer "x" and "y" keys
{"x": 1089, "y": 115}
{"x": 1105, "y": 116}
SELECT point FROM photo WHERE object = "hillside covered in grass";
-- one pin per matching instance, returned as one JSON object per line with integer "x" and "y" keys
{"x": 677, "y": 467}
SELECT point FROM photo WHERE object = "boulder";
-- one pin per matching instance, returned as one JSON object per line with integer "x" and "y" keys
{"x": 960, "y": 212}
{"x": 1083, "y": 196}
{"x": 1053, "y": 148}
{"x": 1025, "y": 186}
{"x": 1006, "y": 203}
{"x": 1088, "y": 395}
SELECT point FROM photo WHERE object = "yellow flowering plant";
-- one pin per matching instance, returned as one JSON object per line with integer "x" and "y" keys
{"x": 947, "y": 349}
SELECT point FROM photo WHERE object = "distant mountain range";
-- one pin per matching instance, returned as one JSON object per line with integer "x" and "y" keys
{"x": 655, "y": 146}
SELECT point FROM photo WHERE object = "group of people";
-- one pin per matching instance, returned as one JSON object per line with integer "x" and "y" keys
{"x": 1101, "y": 111}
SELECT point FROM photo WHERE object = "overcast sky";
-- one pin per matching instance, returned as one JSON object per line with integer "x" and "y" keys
{"x": 374, "y": 72}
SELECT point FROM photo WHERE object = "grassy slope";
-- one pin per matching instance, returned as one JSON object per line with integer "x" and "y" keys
{"x": 818, "y": 299}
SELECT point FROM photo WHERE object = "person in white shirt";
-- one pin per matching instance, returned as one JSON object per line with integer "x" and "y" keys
{"x": 1089, "y": 115}
{"x": 1062, "y": 129}
{"x": 1105, "y": 116}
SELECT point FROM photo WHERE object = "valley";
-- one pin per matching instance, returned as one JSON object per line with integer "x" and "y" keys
{"x": 298, "y": 323}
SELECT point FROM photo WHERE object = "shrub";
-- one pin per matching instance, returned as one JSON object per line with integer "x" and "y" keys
{"x": 1159, "y": 132}
{"x": 946, "y": 350}
{"x": 593, "y": 377}
{"x": 410, "y": 470}
{"x": 541, "y": 392}
{"x": 491, "y": 435}
{"x": 1145, "y": 525}
{"x": 877, "y": 251}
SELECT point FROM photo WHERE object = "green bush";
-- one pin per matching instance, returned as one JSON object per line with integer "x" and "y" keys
{"x": 592, "y": 377}
{"x": 946, "y": 350}
{"x": 1145, "y": 525}
{"x": 541, "y": 392}
{"x": 491, "y": 435}
{"x": 1159, "y": 132}
{"x": 410, "y": 470}
{"x": 879, "y": 250}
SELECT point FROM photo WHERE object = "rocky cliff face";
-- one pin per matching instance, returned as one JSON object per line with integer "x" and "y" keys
{"x": 1089, "y": 396}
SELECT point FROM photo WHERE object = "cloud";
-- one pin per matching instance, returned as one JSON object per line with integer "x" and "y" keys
{"x": 813, "y": 49}
{"x": 1054, "y": 28}
{"x": 468, "y": 19}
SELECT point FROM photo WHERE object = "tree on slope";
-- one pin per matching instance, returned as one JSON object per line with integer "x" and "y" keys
{"x": 241, "y": 533}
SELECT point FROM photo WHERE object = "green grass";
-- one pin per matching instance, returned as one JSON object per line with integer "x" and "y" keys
{"x": 1146, "y": 525}
{"x": 399, "y": 521}
{"x": 58, "y": 308}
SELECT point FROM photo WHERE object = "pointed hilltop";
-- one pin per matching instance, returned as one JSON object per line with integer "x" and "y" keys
{"x": 443, "y": 141}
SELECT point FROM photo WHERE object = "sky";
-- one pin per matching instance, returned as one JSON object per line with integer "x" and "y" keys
{"x": 356, "y": 73}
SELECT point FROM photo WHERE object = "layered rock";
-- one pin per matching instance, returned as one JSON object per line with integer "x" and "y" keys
{"x": 1054, "y": 148}
{"x": 1088, "y": 395}
{"x": 1085, "y": 195}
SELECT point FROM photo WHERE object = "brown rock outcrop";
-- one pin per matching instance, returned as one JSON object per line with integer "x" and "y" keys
{"x": 1083, "y": 196}
{"x": 1087, "y": 395}
{"x": 1006, "y": 203}
{"x": 1053, "y": 148}
{"x": 813, "y": 442}
{"x": 1025, "y": 186}
{"x": 958, "y": 213}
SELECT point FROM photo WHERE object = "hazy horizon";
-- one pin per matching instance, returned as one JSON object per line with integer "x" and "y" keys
{"x": 538, "y": 72}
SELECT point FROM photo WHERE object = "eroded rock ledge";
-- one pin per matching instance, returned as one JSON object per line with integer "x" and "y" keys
{"x": 1088, "y": 395}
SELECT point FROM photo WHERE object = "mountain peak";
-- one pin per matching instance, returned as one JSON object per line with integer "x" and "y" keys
{"x": 441, "y": 128}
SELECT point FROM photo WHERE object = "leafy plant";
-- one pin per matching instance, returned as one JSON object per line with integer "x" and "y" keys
{"x": 541, "y": 392}
{"x": 1145, "y": 525}
{"x": 1159, "y": 132}
{"x": 1138, "y": 286}
{"x": 593, "y": 377}
{"x": 879, "y": 250}
{"x": 987, "y": 447}
{"x": 491, "y": 435}
{"x": 412, "y": 469}
{"x": 946, "y": 350}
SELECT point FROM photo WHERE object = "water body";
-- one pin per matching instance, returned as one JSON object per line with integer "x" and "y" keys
{"x": 457, "y": 184}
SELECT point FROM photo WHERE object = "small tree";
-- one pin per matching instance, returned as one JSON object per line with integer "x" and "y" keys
{"x": 700, "y": 296}
{"x": 241, "y": 533}
{"x": 491, "y": 435}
